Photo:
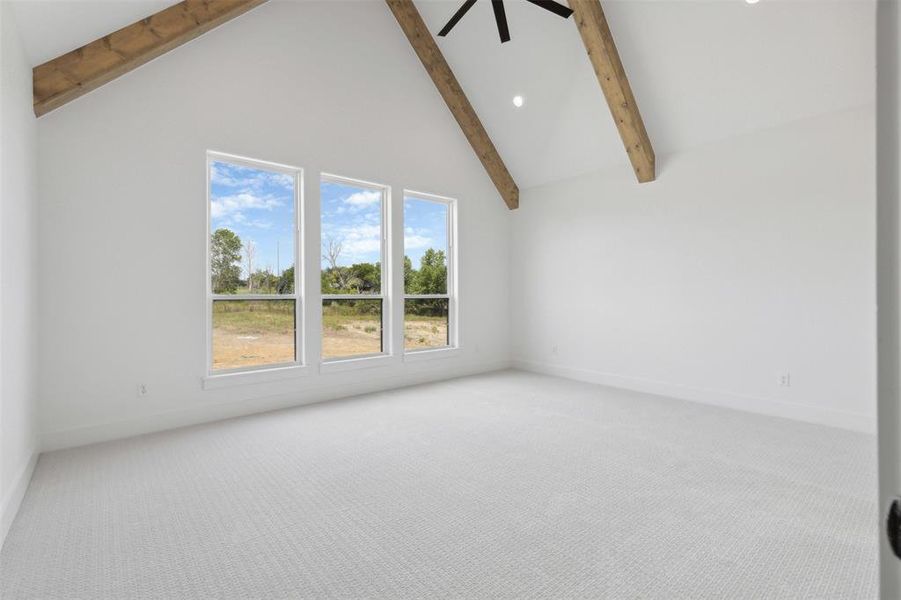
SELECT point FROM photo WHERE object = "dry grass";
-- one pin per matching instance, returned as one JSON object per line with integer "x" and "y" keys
{"x": 351, "y": 336}
{"x": 231, "y": 350}
{"x": 424, "y": 332}
{"x": 250, "y": 334}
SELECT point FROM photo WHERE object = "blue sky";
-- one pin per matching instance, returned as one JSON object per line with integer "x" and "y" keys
{"x": 352, "y": 217}
{"x": 258, "y": 205}
{"x": 425, "y": 226}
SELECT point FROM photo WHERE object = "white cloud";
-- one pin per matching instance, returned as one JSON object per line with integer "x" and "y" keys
{"x": 219, "y": 176}
{"x": 414, "y": 239}
{"x": 360, "y": 243}
{"x": 364, "y": 198}
{"x": 414, "y": 242}
{"x": 356, "y": 249}
{"x": 279, "y": 179}
{"x": 364, "y": 232}
{"x": 230, "y": 209}
{"x": 247, "y": 178}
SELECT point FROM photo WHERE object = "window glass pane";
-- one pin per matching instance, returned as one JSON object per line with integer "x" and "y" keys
{"x": 251, "y": 333}
{"x": 252, "y": 225}
{"x": 425, "y": 247}
{"x": 351, "y": 328}
{"x": 425, "y": 323}
{"x": 351, "y": 239}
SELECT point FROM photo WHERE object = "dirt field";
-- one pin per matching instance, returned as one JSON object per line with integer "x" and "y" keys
{"x": 247, "y": 335}
{"x": 351, "y": 336}
{"x": 425, "y": 332}
{"x": 233, "y": 350}
{"x": 355, "y": 336}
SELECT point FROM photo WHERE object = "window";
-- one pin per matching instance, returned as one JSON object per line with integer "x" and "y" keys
{"x": 429, "y": 303}
{"x": 352, "y": 274}
{"x": 253, "y": 295}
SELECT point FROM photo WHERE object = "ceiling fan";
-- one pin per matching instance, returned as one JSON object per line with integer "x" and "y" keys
{"x": 500, "y": 15}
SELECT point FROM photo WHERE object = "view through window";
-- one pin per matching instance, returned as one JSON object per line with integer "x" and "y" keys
{"x": 351, "y": 270}
{"x": 252, "y": 252}
{"x": 427, "y": 273}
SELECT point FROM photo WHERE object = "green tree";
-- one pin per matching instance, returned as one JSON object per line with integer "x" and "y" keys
{"x": 262, "y": 282}
{"x": 335, "y": 278}
{"x": 431, "y": 278}
{"x": 327, "y": 281}
{"x": 285, "y": 284}
{"x": 225, "y": 261}
{"x": 432, "y": 275}
{"x": 409, "y": 275}
{"x": 339, "y": 280}
{"x": 367, "y": 277}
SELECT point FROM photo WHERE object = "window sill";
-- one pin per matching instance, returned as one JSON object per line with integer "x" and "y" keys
{"x": 225, "y": 380}
{"x": 351, "y": 364}
{"x": 434, "y": 354}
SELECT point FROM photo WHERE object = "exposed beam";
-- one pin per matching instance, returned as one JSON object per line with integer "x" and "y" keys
{"x": 424, "y": 44}
{"x": 609, "y": 69}
{"x": 76, "y": 73}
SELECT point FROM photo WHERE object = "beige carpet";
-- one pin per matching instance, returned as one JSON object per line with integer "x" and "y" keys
{"x": 507, "y": 485}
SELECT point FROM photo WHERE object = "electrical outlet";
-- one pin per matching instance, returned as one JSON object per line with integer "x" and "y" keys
{"x": 143, "y": 390}
{"x": 785, "y": 380}
{"x": 554, "y": 350}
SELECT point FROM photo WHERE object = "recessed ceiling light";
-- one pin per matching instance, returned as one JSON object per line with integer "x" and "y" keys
{"x": 752, "y": 1}
{"x": 518, "y": 101}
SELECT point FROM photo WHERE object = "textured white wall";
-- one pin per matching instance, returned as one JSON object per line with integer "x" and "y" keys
{"x": 889, "y": 276}
{"x": 18, "y": 282}
{"x": 746, "y": 259}
{"x": 331, "y": 87}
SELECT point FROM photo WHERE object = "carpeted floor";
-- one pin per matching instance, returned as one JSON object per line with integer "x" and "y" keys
{"x": 508, "y": 485}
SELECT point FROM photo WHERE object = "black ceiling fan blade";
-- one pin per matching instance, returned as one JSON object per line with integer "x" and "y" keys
{"x": 554, "y": 7}
{"x": 456, "y": 18}
{"x": 500, "y": 15}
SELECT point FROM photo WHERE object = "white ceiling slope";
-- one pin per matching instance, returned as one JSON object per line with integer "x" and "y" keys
{"x": 53, "y": 27}
{"x": 701, "y": 70}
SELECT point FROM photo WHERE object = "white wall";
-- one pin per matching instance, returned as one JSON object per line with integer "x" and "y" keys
{"x": 745, "y": 259}
{"x": 331, "y": 87}
{"x": 889, "y": 278}
{"x": 18, "y": 200}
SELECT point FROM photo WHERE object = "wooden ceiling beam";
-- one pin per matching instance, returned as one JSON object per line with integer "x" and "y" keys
{"x": 425, "y": 47}
{"x": 608, "y": 67}
{"x": 80, "y": 71}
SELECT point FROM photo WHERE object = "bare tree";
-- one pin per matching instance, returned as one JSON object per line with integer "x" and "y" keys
{"x": 332, "y": 253}
{"x": 250, "y": 253}
{"x": 344, "y": 279}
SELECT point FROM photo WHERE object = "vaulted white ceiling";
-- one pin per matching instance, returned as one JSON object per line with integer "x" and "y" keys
{"x": 701, "y": 70}
{"x": 53, "y": 27}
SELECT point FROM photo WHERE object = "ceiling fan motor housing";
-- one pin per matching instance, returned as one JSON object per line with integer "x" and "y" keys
{"x": 500, "y": 15}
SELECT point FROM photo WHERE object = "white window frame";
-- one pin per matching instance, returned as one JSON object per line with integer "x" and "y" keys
{"x": 453, "y": 334}
{"x": 277, "y": 370}
{"x": 372, "y": 358}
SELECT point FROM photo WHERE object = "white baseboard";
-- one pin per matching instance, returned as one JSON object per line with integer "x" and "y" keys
{"x": 13, "y": 498}
{"x": 766, "y": 406}
{"x": 205, "y": 413}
